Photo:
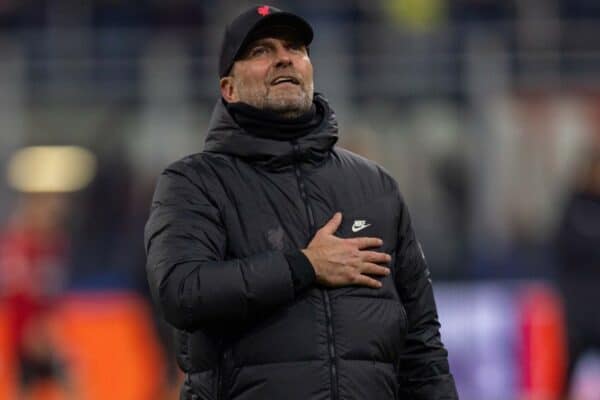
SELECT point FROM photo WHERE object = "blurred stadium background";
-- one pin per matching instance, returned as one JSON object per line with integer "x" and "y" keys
{"x": 486, "y": 111}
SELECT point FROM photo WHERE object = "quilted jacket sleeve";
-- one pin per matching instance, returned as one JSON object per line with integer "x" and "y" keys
{"x": 423, "y": 373}
{"x": 191, "y": 282}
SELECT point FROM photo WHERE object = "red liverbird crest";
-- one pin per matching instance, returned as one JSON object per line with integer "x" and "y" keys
{"x": 263, "y": 10}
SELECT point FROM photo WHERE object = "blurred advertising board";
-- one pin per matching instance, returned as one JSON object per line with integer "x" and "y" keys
{"x": 505, "y": 340}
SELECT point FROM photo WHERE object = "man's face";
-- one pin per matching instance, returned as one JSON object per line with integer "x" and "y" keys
{"x": 273, "y": 73}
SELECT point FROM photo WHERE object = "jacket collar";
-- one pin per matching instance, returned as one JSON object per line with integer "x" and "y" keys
{"x": 225, "y": 136}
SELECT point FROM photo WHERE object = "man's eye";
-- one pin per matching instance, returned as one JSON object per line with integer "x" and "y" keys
{"x": 296, "y": 46}
{"x": 257, "y": 51}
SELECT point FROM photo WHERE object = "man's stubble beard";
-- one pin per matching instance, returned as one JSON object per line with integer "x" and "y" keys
{"x": 287, "y": 105}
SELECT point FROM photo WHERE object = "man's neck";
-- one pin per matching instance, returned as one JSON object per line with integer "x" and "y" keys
{"x": 275, "y": 125}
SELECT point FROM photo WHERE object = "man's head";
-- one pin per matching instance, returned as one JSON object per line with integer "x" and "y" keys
{"x": 265, "y": 63}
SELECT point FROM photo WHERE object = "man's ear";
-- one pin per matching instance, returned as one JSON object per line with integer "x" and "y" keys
{"x": 227, "y": 89}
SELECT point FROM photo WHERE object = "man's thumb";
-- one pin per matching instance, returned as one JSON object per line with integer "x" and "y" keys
{"x": 333, "y": 224}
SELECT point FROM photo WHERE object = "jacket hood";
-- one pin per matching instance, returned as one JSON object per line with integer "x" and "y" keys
{"x": 225, "y": 136}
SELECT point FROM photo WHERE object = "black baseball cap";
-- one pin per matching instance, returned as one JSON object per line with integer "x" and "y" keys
{"x": 243, "y": 28}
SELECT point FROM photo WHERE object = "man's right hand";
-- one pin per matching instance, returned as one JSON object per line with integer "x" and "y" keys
{"x": 343, "y": 262}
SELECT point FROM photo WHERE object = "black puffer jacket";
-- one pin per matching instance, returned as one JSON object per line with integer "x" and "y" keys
{"x": 220, "y": 225}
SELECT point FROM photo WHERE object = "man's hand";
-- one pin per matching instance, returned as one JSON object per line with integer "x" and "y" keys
{"x": 342, "y": 262}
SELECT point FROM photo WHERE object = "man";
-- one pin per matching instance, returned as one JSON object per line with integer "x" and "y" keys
{"x": 578, "y": 251}
{"x": 287, "y": 266}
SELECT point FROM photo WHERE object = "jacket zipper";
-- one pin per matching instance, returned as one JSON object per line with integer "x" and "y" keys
{"x": 309, "y": 213}
{"x": 332, "y": 368}
{"x": 219, "y": 380}
{"x": 326, "y": 300}
{"x": 220, "y": 368}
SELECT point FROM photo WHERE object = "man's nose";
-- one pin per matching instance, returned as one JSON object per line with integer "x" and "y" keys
{"x": 284, "y": 58}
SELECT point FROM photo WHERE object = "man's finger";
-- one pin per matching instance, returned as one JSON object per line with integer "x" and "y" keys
{"x": 363, "y": 280}
{"x": 366, "y": 242}
{"x": 375, "y": 257}
{"x": 374, "y": 269}
{"x": 333, "y": 224}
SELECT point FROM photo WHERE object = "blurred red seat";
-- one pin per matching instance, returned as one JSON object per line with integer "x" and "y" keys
{"x": 109, "y": 346}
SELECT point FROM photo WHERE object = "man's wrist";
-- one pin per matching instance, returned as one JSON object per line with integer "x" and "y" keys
{"x": 302, "y": 271}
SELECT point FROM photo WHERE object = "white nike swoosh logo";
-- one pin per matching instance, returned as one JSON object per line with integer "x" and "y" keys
{"x": 359, "y": 226}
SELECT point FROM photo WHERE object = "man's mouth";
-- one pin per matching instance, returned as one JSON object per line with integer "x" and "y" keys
{"x": 285, "y": 79}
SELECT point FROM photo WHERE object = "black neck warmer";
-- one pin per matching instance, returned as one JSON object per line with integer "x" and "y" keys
{"x": 270, "y": 125}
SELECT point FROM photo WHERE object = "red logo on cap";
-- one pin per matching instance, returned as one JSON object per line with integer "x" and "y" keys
{"x": 264, "y": 10}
